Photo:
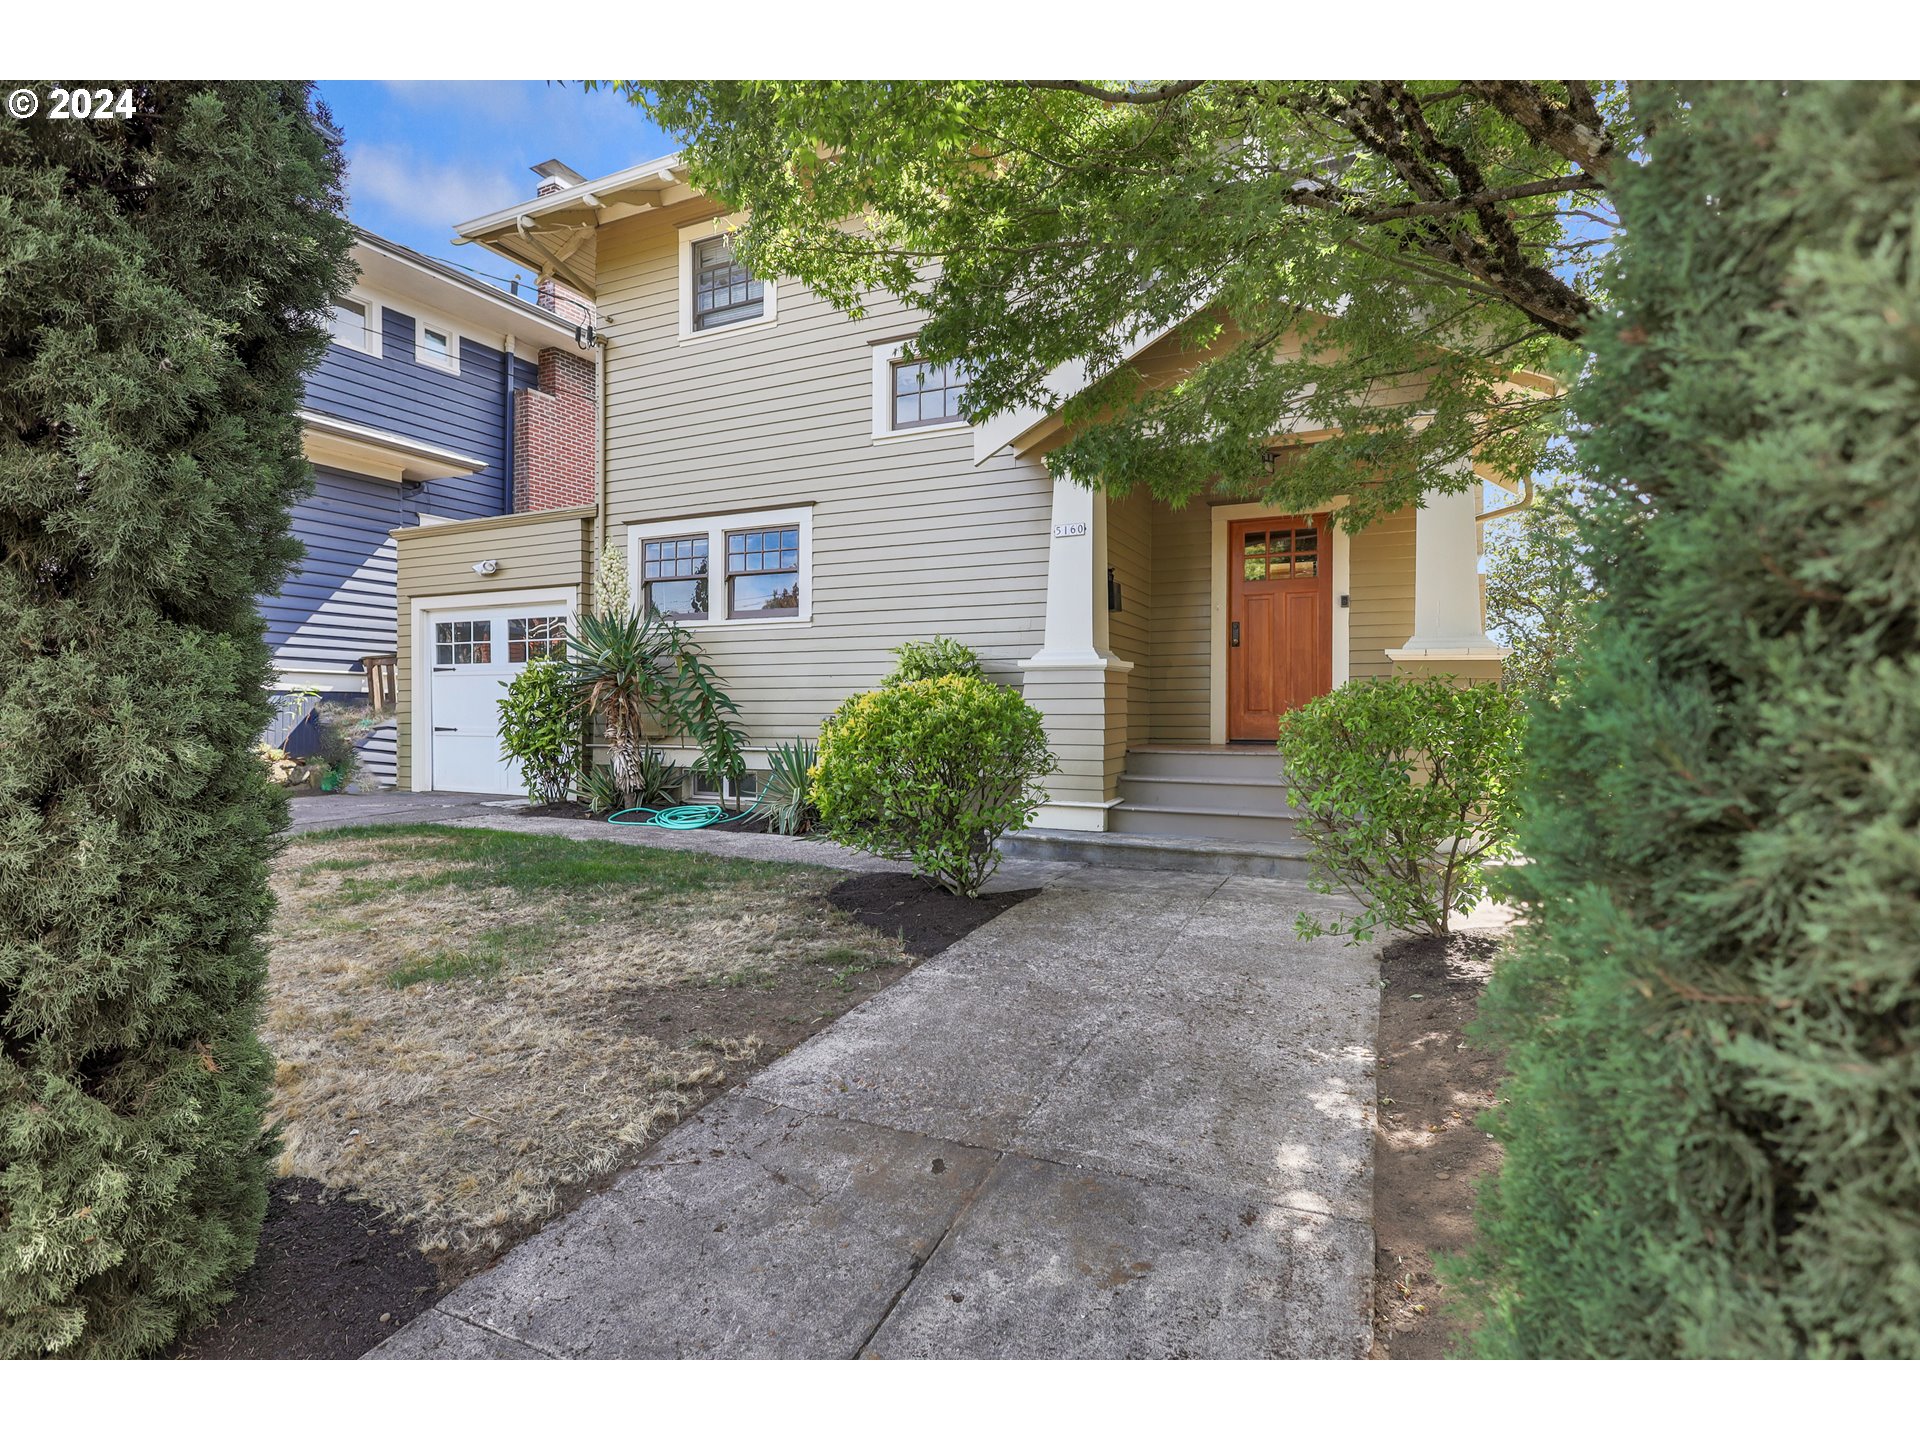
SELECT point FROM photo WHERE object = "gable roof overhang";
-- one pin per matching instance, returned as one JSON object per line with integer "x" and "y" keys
{"x": 406, "y": 275}
{"x": 556, "y": 234}
{"x": 1026, "y": 429}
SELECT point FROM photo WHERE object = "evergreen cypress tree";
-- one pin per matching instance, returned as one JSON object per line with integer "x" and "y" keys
{"x": 162, "y": 285}
{"x": 1713, "y": 1120}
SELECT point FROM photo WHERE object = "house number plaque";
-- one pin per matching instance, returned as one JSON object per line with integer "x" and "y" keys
{"x": 1068, "y": 531}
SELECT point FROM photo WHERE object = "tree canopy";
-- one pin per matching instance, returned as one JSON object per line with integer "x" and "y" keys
{"x": 1370, "y": 262}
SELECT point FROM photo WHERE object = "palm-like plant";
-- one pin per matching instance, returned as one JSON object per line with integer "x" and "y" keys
{"x": 637, "y": 672}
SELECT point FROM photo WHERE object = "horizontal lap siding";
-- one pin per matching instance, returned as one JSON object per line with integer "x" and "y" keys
{"x": 1381, "y": 614}
{"x": 1130, "y": 521}
{"x": 337, "y": 605}
{"x": 1182, "y": 625}
{"x": 464, "y": 413}
{"x": 536, "y": 552}
{"x": 910, "y": 539}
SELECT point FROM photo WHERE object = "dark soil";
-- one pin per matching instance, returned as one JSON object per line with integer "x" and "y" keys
{"x": 926, "y": 918}
{"x": 1428, "y": 1153}
{"x": 332, "y": 1281}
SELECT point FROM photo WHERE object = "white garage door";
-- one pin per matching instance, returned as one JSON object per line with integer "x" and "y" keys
{"x": 474, "y": 653}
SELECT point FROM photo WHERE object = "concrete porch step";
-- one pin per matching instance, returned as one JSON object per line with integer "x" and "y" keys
{"x": 1128, "y": 818}
{"x": 1261, "y": 796}
{"x": 1205, "y": 762}
{"x": 1271, "y": 859}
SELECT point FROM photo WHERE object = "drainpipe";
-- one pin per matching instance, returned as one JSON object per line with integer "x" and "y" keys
{"x": 506, "y": 425}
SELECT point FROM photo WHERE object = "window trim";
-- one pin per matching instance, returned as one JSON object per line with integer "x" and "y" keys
{"x": 423, "y": 322}
{"x": 886, "y": 354}
{"x": 716, "y": 528}
{"x": 374, "y": 320}
{"x": 689, "y": 236}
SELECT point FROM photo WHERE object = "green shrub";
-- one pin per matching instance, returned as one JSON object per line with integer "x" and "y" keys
{"x": 540, "y": 729}
{"x": 1712, "y": 1126}
{"x": 927, "y": 659}
{"x": 1405, "y": 789}
{"x": 788, "y": 793}
{"x": 933, "y": 771}
{"x": 165, "y": 283}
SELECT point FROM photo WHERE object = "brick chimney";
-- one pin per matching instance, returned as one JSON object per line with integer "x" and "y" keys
{"x": 553, "y": 434}
{"x": 553, "y": 425}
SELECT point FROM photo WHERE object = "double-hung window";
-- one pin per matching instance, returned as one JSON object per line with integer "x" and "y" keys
{"x": 763, "y": 572}
{"x": 673, "y": 576}
{"x": 754, "y": 566}
{"x": 723, "y": 292}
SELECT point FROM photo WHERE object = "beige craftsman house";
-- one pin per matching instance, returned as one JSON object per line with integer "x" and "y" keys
{"x": 782, "y": 483}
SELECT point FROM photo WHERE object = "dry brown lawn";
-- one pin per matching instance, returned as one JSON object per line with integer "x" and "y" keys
{"x": 471, "y": 1025}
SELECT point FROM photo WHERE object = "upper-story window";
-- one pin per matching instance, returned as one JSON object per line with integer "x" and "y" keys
{"x": 911, "y": 396}
{"x": 723, "y": 292}
{"x": 717, "y": 293}
{"x": 350, "y": 326}
{"x": 926, "y": 394}
{"x": 761, "y": 561}
{"x": 438, "y": 346}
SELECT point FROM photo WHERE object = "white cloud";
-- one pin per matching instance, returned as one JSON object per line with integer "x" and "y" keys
{"x": 424, "y": 192}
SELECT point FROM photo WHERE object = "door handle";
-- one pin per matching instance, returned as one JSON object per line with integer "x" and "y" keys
{"x": 446, "y": 729}
{"x": 1235, "y": 641}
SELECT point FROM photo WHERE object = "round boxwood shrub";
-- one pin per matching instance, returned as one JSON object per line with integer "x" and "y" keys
{"x": 1406, "y": 792}
{"x": 933, "y": 772}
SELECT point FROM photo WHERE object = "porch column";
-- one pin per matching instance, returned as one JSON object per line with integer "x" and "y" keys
{"x": 1449, "y": 622}
{"x": 1073, "y": 680}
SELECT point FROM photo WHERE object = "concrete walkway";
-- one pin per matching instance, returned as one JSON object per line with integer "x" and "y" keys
{"x": 1130, "y": 1117}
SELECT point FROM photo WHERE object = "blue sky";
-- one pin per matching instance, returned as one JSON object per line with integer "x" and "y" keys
{"x": 425, "y": 154}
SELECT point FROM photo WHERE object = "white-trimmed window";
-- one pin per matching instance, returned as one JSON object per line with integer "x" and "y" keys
{"x": 745, "y": 568}
{"x": 353, "y": 324}
{"x": 911, "y": 397}
{"x": 437, "y": 345}
{"x": 717, "y": 294}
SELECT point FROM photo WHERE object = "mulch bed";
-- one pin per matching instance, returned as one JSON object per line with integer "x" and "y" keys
{"x": 926, "y": 918}
{"x": 1428, "y": 1153}
{"x": 333, "y": 1279}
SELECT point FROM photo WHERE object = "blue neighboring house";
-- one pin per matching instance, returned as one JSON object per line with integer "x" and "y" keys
{"x": 408, "y": 420}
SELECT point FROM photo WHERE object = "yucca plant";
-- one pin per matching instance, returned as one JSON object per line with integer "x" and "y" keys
{"x": 602, "y": 789}
{"x": 635, "y": 672}
{"x": 788, "y": 793}
{"x": 656, "y": 780}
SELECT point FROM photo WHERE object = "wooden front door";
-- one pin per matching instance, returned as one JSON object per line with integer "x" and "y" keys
{"x": 1279, "y": 620}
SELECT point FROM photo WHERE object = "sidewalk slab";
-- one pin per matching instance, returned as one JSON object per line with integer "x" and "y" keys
{"x": 1053, "y": 1262}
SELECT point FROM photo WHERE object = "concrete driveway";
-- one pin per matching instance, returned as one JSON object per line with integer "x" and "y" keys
{"x": 394, "y": 807}
{"x": 1130, "y": 1117}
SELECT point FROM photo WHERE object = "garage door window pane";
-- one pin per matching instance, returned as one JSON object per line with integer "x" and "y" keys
{"x": 463, "y": 642}
{"x": 535, "y": 636}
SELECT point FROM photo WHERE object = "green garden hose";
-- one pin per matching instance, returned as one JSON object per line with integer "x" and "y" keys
{"x": 682, "y": 817}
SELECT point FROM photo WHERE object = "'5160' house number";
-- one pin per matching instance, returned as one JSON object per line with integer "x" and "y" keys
{"x": 1068, "y": 531}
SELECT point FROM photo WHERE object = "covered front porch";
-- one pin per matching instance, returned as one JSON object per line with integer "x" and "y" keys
{"x": 1175, "y": 637}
